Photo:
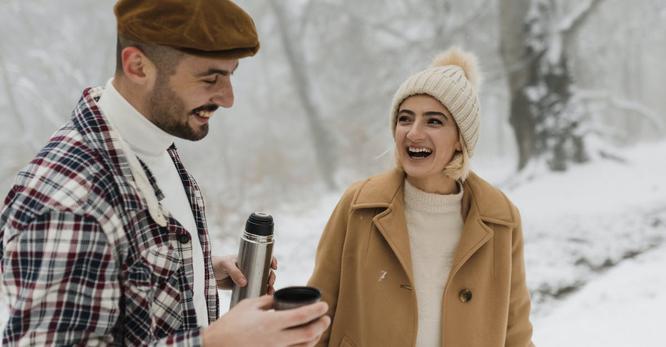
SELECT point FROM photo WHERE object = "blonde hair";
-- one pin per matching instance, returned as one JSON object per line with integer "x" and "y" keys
{"x": 458, "y": 167}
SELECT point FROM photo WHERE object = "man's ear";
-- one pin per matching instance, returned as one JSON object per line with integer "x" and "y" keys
{"x": 136, "y": 66}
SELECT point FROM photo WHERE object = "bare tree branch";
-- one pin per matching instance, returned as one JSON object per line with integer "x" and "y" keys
{"x": 623, "y": 104}
{"x": 379, "y": 26}
{"x": 570, "y": 24}
{"x": 475, "y": 14}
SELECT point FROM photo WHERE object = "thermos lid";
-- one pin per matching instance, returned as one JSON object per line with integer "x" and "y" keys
{"x": 259, "y": 223}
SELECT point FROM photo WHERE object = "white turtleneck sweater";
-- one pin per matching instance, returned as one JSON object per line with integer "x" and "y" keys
{"x": 150, "y": 144}
{"x": 434, "y": 224}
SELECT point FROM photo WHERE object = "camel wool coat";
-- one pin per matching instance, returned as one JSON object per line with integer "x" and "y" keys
{"x": 364, "y": 271}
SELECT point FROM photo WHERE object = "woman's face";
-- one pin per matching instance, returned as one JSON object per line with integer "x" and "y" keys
{"x": 426, "y": 138}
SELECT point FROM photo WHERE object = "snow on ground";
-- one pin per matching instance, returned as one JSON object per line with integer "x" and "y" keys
{"x": 588, "y": 219}
{"x": 624, "y": 307}
{"x": 594, "y": 249}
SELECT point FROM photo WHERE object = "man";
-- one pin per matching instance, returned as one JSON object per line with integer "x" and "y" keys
{"x": 103, "y": 236}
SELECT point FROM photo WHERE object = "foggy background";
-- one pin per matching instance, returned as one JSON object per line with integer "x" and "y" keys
{"x": 311, "y": 109}
{"x": 567, "y": 84}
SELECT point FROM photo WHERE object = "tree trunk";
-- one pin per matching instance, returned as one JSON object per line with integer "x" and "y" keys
{"x": 544, "y": 118}
{"x": 519, "y": 71}
{"x": 323, "y": 146}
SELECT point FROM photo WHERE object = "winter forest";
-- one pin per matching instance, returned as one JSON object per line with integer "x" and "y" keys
{"x": 573, "y": 129}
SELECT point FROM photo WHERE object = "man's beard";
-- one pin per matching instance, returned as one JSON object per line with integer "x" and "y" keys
{"x": 167, "y": 111}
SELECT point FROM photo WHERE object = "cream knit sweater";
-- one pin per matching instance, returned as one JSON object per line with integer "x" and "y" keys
{"x": 434, "y": 224}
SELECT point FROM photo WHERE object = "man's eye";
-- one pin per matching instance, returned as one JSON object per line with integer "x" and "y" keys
{"x": 211, "y": 81}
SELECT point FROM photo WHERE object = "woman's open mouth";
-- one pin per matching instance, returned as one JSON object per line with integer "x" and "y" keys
{"x": 418, "y": 152}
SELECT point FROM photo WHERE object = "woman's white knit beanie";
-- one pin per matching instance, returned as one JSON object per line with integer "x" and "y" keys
{"x": 454, "y": 79}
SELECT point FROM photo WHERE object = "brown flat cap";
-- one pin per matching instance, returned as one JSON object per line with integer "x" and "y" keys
{"x": 214, "y": 28}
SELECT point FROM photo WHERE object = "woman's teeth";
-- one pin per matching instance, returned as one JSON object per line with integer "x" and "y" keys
{"x": 418, "y": 152}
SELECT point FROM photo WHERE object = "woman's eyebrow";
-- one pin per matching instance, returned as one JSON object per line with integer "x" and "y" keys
{"x": 435, "y": 113}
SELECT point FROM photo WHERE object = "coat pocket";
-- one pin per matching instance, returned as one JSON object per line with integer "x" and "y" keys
{"x": 153, "y": 286}
{"x": 163, "y": 261}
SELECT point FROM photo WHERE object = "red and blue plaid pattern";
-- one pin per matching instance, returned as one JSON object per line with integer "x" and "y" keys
{"x": 83, "y": 263}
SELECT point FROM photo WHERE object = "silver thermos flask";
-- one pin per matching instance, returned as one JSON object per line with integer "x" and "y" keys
{"x": 254, "y": 257}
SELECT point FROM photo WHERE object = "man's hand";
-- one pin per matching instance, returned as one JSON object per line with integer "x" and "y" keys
{"x": 251, "y": 323}
{"x": 227, "y": 273}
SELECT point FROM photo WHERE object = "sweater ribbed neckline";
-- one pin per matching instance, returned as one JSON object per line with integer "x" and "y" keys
{"x": 418, "y": 200}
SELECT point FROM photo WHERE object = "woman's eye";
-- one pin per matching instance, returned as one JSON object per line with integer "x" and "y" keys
{"x": 403, "y": 119}
{"x": 435, "y": 121}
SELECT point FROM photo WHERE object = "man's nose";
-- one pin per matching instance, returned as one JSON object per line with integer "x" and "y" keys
{"x": 224, "y": 97}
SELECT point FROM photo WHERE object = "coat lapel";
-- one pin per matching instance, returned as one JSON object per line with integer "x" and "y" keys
{"x": 385, "y": 192}
{"x": 474, "y": 235}
{"x": 481, "y": 205}
{"x": 392, "y": 225}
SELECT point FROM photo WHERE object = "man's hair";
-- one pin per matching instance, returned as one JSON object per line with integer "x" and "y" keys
{"x": 165, "y": 58}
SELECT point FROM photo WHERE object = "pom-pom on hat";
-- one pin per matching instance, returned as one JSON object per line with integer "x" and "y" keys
{"x": 454, "y": 79}
{"x": 212, "y": 28}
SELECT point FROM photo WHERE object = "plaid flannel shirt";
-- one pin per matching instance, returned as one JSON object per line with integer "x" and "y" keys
{"x": 83, "y": 262}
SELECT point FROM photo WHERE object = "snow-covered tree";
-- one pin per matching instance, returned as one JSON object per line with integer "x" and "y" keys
{"x": 548, "y": 120}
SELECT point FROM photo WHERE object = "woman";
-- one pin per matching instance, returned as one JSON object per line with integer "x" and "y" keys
{"x": 428, "y": 254}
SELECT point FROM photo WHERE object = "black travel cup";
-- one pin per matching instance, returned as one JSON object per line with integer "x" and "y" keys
{"x": 293, "y": 297}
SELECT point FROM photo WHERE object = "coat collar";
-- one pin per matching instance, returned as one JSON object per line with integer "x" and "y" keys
{"x": 128, "y": 173}
{"x": 482, "y": 205}
{"x": 383, "y": 190}
{"x": 98, "y": 135}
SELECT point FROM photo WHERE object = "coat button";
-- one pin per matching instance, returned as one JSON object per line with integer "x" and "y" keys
{"x": 183, "y": 238}
{"x": 465, "y": 295}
